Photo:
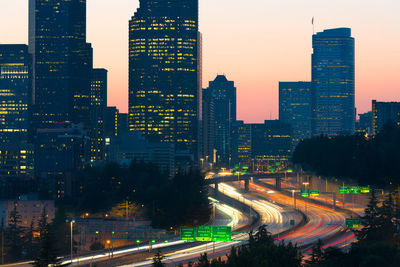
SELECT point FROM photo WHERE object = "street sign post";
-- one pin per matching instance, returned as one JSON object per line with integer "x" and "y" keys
{"x": 222, "y": 233}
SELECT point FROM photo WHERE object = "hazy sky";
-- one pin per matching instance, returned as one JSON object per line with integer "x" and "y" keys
{"x": 256, "y": 43}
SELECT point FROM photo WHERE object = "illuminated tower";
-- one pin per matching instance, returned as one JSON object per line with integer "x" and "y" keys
{"x": 333, "y": 82}
{"x": 98, "y": 105}
{"x": 295, "y": 108}
{"x": 61, "y": 60}
{"x": 15, "y": 90}
{"x": 164, "y": 72}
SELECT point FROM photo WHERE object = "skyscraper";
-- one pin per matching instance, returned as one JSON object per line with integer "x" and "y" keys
{"x": 15, "y": 90}
{"x": 333, "y": 82}
{"x": 221, "y": 95}
{"x": 384, "y": 113}
{"x": 98, "y": 104}
{"x": 295, "y": 108}
{"x": 62, "y": 62}
{"x": 207, "y": 128}
{"x": 164, "y": 72}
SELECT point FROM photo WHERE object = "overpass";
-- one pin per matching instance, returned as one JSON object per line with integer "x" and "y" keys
{"x": 216, "y": 179}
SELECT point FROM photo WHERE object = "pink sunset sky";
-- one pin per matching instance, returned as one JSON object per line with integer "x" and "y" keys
{"x": 256, "y": 43}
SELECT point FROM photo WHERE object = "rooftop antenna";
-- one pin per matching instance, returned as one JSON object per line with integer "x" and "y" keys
{"x": 312, "y": 22}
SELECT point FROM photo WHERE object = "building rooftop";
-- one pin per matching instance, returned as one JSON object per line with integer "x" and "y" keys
{"x": 337, "y": 32}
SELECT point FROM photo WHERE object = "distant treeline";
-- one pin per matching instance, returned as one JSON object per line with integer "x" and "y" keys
{"x": 368, "y": 160}
{"x": 168, "y": 201}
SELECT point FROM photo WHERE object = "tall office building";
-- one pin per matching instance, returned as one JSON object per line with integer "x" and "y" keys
{"x": 221, "y": 95}
{"x": 295, "y": 108}
{"x": 164, "y": 73}
{"x": 62, "y": 62}
{"x": 333, "y": 82}
{"x": 242, "y": 143}
{"x": 207, "y": 128}
{"x": 364, "y": 124}
{"x": 15, "y": 92}
{"x": 98, "y": 104}
{"x": 384, "y": 113}
{"x": 261, "y": 146}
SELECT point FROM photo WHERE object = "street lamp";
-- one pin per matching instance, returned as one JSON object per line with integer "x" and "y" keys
{"x": 305, "y": 202}
{"x": 202, "y": 163}
{"x": 71, "y": 222}
{"x": 294, "y": 200}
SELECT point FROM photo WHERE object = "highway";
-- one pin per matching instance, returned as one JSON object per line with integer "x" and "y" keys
{"x": 276, "y": 217}
{"x": 323, "y": 223}
{"x": 275, "y": 209}
{"x": 230, "y": 217}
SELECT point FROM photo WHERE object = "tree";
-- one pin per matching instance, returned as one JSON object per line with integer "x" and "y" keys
{"x": 157, "y": 260}
{"x": 47, "y": 252}
{"x": 317, "y": 253}
{"x": 14, "y": 235}
{"x": 42, "y": 223}
{"x": 30, "y": 242}
{"x": 203, "y": 261}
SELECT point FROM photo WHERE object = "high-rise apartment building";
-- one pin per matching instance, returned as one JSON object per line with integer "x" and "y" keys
{"x": 295, "y": 108}
{"x": 164, "y": 73}
{"x": 333, "y": 82}
{"x": 221, "y": 98}
{"x": 384, "y": 113}
{"x": 15, "y": 92}
{"x": 62, "y": 62}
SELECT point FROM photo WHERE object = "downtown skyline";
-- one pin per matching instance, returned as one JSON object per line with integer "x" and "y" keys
{"x": 261, "y": 68}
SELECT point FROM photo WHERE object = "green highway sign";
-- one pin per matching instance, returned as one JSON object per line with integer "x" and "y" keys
{"x": 365, "y": 189}
{"x": 221, "y": 233}
{"x": 344, "y": 190}
{"x": 292, "y": 222}
{"x": 314, "y": 192}
{"x": 353, "y": 222}
{"x": 188, "y": 233}
{"x": 204, "y": 233}
{"x": 353, "y": 189}
{"x": 304, "y": 193}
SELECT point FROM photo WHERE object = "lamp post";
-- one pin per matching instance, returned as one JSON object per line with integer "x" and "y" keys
{"x": 202, "y": 163}
{"x": 71, "y": 222}
{"x": 305, "y": 185}
{"x": 294, "y": 199}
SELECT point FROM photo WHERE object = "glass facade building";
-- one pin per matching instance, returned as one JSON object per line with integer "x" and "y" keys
{"x": 221, "y": 96}
{"x": 62, "y": 62}
{"x": 98, "y": 104}
{"x": 15, "y": 92}
{"x": 164, "y": 73}
{"x": 384, "y": 113}
{"x": 295, "y": 108}
{"x": 333, "y": 82}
